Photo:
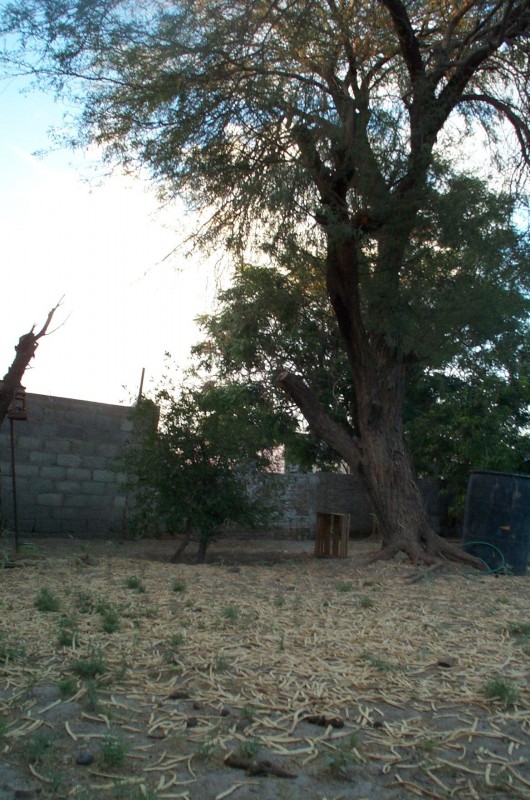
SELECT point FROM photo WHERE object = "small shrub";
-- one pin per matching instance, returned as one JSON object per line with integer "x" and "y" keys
{"x": 67, "y": 686}
{"x": 230, "y": 613}
{"x": 84, "y": 603}
{"x": 366, "y": 602}
{"x": 46, "y": 601}
{"x": 40, "y": 747}
{"x": 179, "y": 586}
{"x": 89, "y": 667}
{"x": 248, "y": 713}
{"x": 340, "y": 762}
{"x": 67, "y": 632}
{"x": 221, "y": 663}
{"x": 206, "y": 750}
{"x": 103, "y": 606}
{"x": 249, "y": 748}
{"x": 344, "y": 586}
{"x": 10, "y": 651}
{"x": 521, "y": 629}
{"x": 135, "y": 584}
{"x": 503, "y": 691}
{"x": 110, "y": 621}
{"x": 91, "y": 697}
{"x": 113, "y": 751}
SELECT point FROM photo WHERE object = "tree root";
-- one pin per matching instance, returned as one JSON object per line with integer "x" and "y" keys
{"x": 434, "y": 549}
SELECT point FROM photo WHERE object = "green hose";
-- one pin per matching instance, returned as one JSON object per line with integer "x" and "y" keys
{"x": 502, "y": 568}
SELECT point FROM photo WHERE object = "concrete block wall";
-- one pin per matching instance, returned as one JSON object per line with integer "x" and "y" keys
{"x": 301, "y": 496}
{"x": 66, "y": 479}
{"x": 67, "y": 483}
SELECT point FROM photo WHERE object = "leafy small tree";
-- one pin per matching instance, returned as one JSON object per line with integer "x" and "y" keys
{"x": 197, "y": 468}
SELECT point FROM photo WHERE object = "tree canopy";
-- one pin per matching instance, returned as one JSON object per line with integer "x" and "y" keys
{"x": 467, "y": 401}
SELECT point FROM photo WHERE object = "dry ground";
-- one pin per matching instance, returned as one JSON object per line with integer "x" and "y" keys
{"x": 264, "y": 674}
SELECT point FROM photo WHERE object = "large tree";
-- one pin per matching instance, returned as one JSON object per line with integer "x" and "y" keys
{"x": 312, "y": 124}
{"x": 467, "y": 396}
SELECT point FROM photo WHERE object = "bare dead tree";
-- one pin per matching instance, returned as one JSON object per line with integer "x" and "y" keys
{"x": 25, "y": 351}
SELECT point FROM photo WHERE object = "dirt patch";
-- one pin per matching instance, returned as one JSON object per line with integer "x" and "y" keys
{"x": 263, "y": 674}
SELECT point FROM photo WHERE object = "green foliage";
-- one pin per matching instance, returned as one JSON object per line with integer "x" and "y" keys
{"x": 179, "y": 586}
{"x": 89, "y": 667}
{"x": 344, "y": 586}
{"x": 67, "y": 634}
{"x": 113, "y": 751}
{"x": 196, "y": 471}
{"x": 67, "y": 686}
{"x": 503, "y": 691}
{"x": 40, "y": 747}
{"x": 136, "y": 584}
{"x": 11, "y": 651}
{"x": 519, "y": 629}
{"x": 110, "y": 621}
{"x": 249, "y": 748}
{"x": 468, "y": 386}
{"x": 366, "y": 602}
{"x": 230, "y": 613}
{"x": 46, "y": 601}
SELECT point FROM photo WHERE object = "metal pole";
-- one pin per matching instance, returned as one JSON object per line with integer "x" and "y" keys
{"x": 14, "y": 479}
{"x": 140, "y": 390}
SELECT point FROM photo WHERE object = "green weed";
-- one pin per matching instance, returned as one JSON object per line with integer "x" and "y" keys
{"x": 230, "y": 613}
{"x": 340, "y": 762}
{"x": 503, "y": 691}
{"x": 519, "y": 629}
{"x": 10, "y": 651}
{"x": 135, "y": 584}
{"x": 67, "y": 686}
{"x": 67, "y": 632}
{"x": 91, "y": 697}
{"x": 221, "y": 663}
{"x": 89, "y": 667}
{"x": 113, "y": 751}
{"x": 179, "y": 586}
{"x": 110, "y": 621}
{"x": 248, "y": 713}
{"x": 40, "y": 747}
{"x": 249, "y": 748}
{"x": 366, "y": 602}
{"x": 84, "y": 603}
{"x": 46, "y": 601}
{"x": 344, "y": 586}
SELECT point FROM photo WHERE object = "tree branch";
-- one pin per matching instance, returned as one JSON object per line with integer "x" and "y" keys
{"x": 320, "y": 423}
{"x": 521, "y": 128}
{"x": 407, "y": 38}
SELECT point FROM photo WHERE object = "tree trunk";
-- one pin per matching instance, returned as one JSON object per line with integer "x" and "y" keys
{"x": 379, "y": 457}
{"x": 25, "y": 351}
{"x": 201, "y": 550}
{"x": 180, "y": 549}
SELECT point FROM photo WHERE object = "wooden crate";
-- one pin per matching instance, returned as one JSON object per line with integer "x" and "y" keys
{"x": 331, "y": 537}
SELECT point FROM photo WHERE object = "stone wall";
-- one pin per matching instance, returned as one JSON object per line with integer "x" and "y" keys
{"x": 66, "y": 479}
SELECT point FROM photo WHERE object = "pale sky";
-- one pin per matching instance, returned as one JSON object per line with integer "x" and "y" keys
{"x": 101, "y": 246}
